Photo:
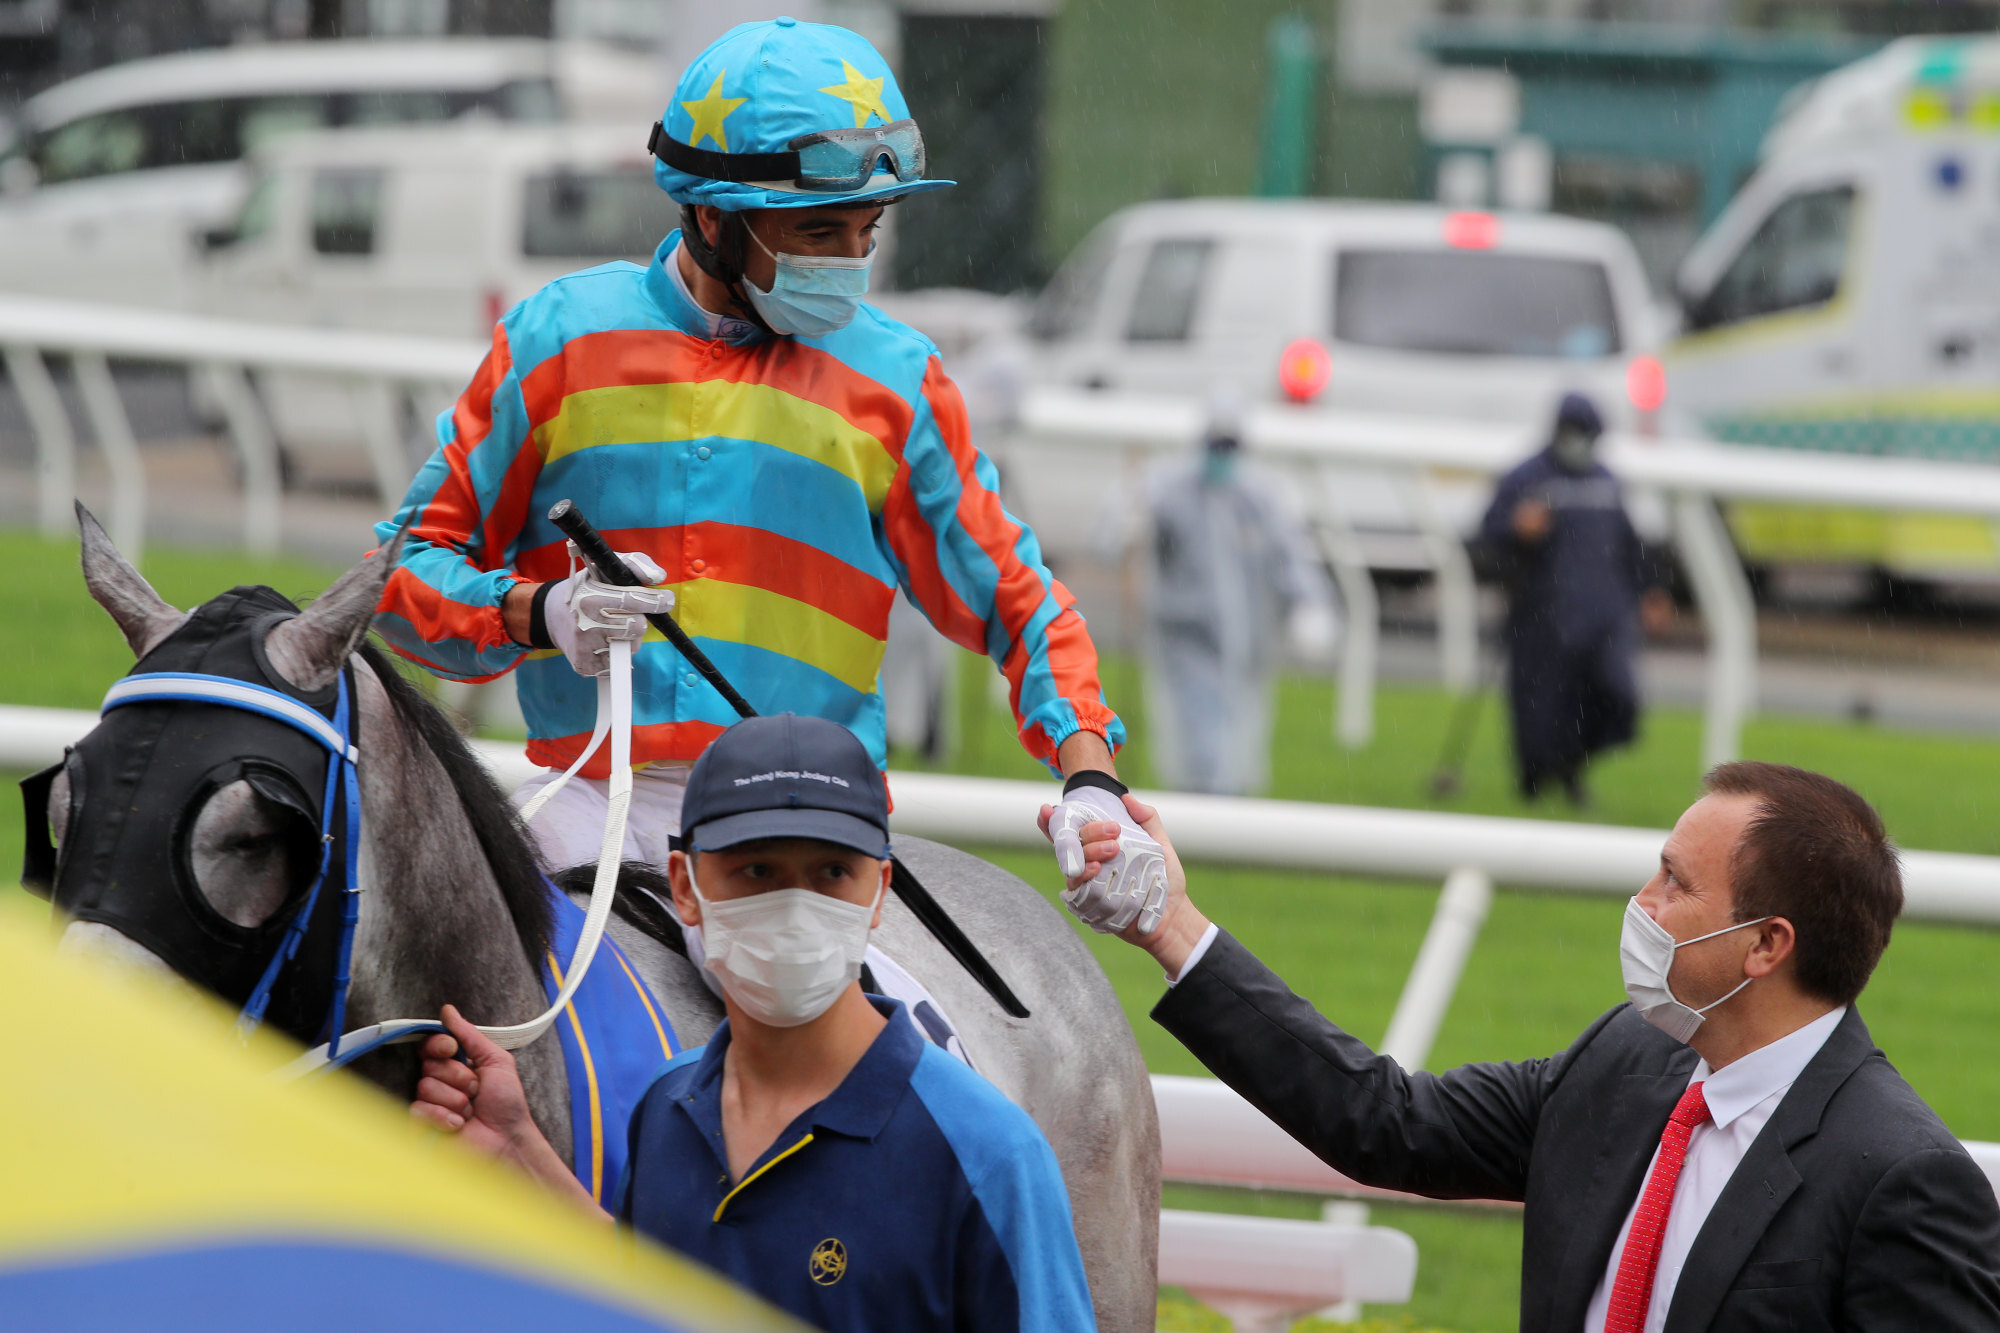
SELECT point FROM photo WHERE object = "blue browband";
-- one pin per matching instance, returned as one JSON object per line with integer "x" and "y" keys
{"x": 342, "y": 780}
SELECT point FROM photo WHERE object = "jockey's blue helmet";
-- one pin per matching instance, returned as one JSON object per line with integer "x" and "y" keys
{"x": 786, "y": 114}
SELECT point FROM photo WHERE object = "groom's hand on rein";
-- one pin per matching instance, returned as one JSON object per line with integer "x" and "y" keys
{"x": 1181, "y": 924}
{"x": 486, "y": 1106}
{"x": 480, "y": 1099}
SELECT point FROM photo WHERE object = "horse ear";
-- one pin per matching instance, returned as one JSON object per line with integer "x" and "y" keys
{"x": 142, "y": 615}
{"x": 310, "y": 649}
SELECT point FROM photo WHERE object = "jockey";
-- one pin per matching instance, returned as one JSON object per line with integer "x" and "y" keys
{"x": 770, "y": 453}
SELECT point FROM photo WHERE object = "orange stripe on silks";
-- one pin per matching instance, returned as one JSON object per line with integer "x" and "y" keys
{"x": 752, "y": 557}
{"x": 656, "y": 741}
{"x": 1018, "y": 593}
{"x": 439, "y": 669}
{"x": 438, "y": 618}
{"x": 471, "y": 422}
{"x": 590, "y": 1076}
{"x": 509, "y": 510}
{"x": 619, "y": 357}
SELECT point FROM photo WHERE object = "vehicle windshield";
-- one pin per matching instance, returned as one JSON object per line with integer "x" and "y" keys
{"x": 225, "y": 129}
{"x": 1474, "y": 303}
{"x": 617, "y": 214}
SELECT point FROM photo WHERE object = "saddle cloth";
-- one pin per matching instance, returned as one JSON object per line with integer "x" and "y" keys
{"x": 615, "y": 1040}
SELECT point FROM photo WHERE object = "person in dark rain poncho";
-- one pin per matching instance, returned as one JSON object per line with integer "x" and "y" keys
{"x": 1578, "y": 579}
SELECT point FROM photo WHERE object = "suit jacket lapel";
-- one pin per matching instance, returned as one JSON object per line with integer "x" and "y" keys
{"x": 1617, "y": 1173}
{"x": 1763, "y": 1180}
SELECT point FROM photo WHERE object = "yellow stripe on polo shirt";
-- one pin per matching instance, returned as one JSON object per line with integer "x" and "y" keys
{"x": 644, "y": 413}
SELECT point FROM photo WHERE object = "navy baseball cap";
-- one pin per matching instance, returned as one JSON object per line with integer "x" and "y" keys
{"x": 786, "y": 776}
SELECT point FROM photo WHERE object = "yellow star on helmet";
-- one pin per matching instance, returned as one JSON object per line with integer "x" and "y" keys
{"x": 864, "y": 95}
{"x": 709, "y": 113}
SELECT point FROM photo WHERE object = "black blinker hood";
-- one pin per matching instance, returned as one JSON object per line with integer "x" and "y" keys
{"x": 139, "y": 779}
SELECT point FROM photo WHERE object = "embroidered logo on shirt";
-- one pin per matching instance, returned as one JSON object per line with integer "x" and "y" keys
{"x": 828, "y": 1263}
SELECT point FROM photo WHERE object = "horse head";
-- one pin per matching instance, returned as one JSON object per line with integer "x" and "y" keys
{"x": 188, "y": 835}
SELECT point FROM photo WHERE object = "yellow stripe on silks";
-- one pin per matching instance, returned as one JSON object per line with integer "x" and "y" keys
{"x": 738, "y": 613}
{"x": 590, "y": 1075}
{"x": 645, "y": 413}
{"x": 185, "y": 1138}
{"x": 745, "y": 1182}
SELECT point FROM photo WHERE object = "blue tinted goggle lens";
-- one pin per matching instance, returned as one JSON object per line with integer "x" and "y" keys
{"x": 845, "y": 159}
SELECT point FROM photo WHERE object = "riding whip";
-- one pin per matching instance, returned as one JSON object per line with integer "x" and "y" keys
{"x": 590, "y": 542}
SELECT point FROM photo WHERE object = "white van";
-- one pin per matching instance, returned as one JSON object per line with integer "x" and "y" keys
{"x": 111, "y": 172}
{"x": 1415, "y": 308}
{"x": 414, "y": 230}
{"x": 1848, "y": 299}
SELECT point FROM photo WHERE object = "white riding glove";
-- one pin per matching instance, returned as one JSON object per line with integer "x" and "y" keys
{"x": 582, "y": 614}
{"x": 1132, "y": 886}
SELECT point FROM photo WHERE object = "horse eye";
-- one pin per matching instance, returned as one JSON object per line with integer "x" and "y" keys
{"x": 248, "y": 854}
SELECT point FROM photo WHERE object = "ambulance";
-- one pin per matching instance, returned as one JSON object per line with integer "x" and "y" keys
{"x": 1848, "y": 300}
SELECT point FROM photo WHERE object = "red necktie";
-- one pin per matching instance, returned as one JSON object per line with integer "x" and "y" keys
{"x": 1632, "y": 1293}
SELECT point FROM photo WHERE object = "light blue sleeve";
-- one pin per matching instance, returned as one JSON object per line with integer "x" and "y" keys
{"x": 1019, "y": 1188}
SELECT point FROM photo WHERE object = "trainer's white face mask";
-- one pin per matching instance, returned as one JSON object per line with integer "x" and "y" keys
{"x": 811, "y": 295}
{"x": 1646, "y": 955}
{"x": 785, "y": 956}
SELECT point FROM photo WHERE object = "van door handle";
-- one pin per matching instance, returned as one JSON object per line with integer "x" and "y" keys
{"x": 1836, "y": 361}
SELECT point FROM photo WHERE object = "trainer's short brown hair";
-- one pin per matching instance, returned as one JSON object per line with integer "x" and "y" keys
{"x": 1816, "y": 854}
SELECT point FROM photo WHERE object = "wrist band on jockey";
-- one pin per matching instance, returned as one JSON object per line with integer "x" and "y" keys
{"x": 1094, "y": 777}
{"x": 538, "y": 617}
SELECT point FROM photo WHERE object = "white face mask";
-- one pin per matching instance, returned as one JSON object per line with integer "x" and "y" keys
{"x": 812, "y": 295}
{"x": 1646, "y": 955}
{"x": 785, "y": 956}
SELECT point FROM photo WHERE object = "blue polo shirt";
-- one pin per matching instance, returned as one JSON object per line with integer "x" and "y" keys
{"x": 915, "y": 1197}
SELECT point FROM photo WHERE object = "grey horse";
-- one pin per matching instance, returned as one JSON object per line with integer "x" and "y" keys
{"x": 444, "y": 867}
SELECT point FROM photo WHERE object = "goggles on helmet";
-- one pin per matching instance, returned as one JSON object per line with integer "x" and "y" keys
{"x": 830, "y": 160}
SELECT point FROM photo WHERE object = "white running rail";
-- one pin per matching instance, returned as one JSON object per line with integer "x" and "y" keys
{"x": 1321, "y": 445}
{"x": 223, "y": 355}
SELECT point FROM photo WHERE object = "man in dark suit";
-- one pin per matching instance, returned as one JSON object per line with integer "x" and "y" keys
{"x": 1727, "y": 1152}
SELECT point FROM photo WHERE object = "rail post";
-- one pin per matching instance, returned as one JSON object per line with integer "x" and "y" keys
{"x": 55, "y": 438}
{"x": 1433, "y": 980}
{"x": 1729, "y": 612}
{"x": 113, "y": 429}
{"x": 256, "y": 448}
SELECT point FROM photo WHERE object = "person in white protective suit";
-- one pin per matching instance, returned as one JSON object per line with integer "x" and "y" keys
{"x": 1233, "y": 575}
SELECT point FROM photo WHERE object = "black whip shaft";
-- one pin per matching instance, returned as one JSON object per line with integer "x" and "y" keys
{"x": 567, "y": 517}
{"x": 908, "y": 887}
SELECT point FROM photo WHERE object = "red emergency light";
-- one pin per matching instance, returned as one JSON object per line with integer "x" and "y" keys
{"x": 1646, "y": 382}
{"x": 1471, "y": 231}
{"x": 1304, "y": 370}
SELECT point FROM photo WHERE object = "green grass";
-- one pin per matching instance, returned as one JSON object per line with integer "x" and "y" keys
{"x": 1544, "y": 966}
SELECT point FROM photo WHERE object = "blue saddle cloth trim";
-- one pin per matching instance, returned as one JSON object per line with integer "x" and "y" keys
{"x": 615, "y": 1040}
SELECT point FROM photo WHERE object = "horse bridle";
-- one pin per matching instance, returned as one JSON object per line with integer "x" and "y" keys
{"x": 614, "y": 718}
{"x": 342, "y": 785}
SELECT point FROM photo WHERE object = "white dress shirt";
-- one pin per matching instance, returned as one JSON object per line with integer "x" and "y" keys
{"x": 1741, "y": 1099}
{"x": 1195, "y": 954}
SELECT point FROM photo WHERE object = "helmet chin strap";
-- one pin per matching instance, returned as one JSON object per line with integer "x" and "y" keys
{"x": 724, "y": 261}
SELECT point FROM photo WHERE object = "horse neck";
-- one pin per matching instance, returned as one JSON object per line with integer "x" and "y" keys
{"x": 435, "y": 928}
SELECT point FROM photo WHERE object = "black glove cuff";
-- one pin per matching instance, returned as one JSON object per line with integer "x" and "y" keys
{"x": 538, "y": 617}
{"x": 1094, "y": 777}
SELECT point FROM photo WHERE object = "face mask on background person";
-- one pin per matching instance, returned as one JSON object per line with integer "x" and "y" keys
{"x": 785, "y": 956}
{"x": 811, "y": 295}
{"x": 1646, "y": 955}
{"x": 1575, "y": 450}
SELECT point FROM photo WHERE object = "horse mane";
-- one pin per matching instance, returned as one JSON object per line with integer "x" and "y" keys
{"x": 509, "y": 853}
